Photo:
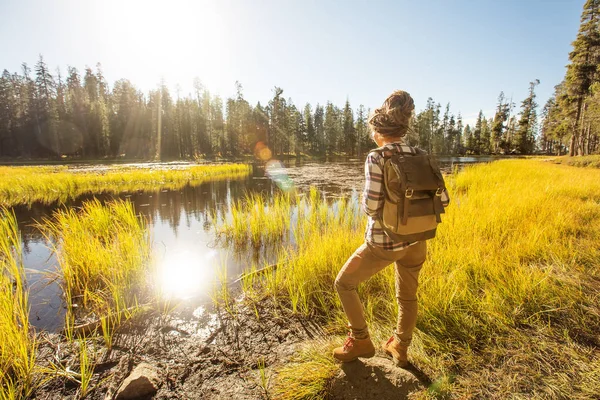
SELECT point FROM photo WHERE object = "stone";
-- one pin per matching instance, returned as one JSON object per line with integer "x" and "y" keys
{"x": 373, "y": 378}
{"x": 142, "y": 383}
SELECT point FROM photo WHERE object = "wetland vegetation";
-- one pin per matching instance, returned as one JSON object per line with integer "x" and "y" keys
{"x": 18, "y": 345}
{"x": 510, "y": 284}
{"x": 44, "y": 184}
{"x": 508, "y": 300}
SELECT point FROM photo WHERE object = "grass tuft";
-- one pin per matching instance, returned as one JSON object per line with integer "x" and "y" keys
{"x": 103, "y": 254}
{"x": 17, "y": 343}
{"x": 308, "y": 374}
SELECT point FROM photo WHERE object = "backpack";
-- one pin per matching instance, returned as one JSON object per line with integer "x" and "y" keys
{"x": 413, "y": 185}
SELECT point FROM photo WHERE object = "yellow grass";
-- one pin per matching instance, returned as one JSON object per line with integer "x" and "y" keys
{"x": 17, "y": 344}
{"x": 26, "y": 185}
{"x": 256, "y": 220}
{"x": 592, "y": 161}
{"x": 103, "y": 254}
{"x": 509, "y": 293}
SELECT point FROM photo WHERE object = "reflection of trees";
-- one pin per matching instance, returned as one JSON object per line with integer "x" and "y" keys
{"x": 170, "y": 206}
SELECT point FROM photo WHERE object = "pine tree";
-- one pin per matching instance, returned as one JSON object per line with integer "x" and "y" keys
{"x": 218, "y": 125}
{"x": 25, "y": 137}
{"x": 232, "y": 125}
{"x": 320, "y": 129}
{"x": 486, "y": 138}
{"x": 458, "y": 147}
{"x": 426, "y": 124}
{"x": 333, "y": 129}
{"x": 439, "y": 145}
{"x": 207, "y": 114}
{"x": 298, "y": 130}
{"x": 261, "y": 123}
{"x": 476, "y": 143}
{"x": 311, "y": 136}
{"x": 8, "y": 114}
{"x": 277, "y": 121}
{"x": 469, "y": 140}
{"x": 349, "y": 133}
{"x": 362, "y": 131}
{"x": 500, "y": 118}
{"x": 450, "y": 136}
{"x": 46, "y": 112}
{"x": 525, "y": 139}
{"x": 582, "y": 72}
{"x": 76, "y": 132}
{"x": 511, "y": 135}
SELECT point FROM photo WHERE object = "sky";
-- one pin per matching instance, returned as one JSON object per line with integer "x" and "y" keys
{"x": 459, "y": 51}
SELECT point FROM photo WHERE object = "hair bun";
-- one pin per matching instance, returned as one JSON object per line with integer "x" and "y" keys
{"x": 393, "y": 118}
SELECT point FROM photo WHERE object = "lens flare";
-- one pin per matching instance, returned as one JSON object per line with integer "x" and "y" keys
{"x": 276, "y": 171}
{"x": 262, "y": 151}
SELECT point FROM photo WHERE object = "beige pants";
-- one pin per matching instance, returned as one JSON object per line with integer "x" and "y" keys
{"x": 366, "y": 261}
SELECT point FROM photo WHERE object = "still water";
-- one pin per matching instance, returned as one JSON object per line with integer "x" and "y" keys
{"x": 187, "y": 253}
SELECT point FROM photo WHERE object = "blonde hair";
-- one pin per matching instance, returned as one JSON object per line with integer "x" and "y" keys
{"x": 392, "y": 119}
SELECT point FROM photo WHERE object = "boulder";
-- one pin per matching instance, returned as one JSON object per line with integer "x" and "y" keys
{"x": 373, "y": 378}
{"x": 142, "y": 383}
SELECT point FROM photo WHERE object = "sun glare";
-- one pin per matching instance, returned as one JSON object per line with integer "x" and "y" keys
{"x": 176, "y": 40}
{"x": 184, "y": 274}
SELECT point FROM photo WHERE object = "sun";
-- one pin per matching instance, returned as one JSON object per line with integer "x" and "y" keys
{"x": 175, "y": 40}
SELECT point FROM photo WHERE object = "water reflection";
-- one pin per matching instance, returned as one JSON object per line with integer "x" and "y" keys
{"x": 188, "y": 256}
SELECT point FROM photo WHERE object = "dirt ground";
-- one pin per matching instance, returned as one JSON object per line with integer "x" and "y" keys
{"x": 199, "y": 354}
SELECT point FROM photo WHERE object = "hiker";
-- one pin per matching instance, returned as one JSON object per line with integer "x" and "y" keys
{"x": 389, "y": 125}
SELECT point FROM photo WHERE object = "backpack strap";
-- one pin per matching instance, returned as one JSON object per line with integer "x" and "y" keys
{"x": 436, "y": 170}
{"x": 387, "y": 152}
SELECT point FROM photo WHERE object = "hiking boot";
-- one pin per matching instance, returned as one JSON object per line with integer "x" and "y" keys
{"x": 397, "y": 351}
{"x": 354, "y": 348}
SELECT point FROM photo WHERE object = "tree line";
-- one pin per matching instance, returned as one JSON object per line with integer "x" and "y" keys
{"x": 48, "y": 115}
{"x": 571, "y": 117}
{"x": 504, "y": 133}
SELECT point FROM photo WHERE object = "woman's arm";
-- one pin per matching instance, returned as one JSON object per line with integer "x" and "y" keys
{"x": 373, "y": 197}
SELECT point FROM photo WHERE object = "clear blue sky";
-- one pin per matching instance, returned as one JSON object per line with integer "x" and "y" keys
{"x": 462, "y": 52}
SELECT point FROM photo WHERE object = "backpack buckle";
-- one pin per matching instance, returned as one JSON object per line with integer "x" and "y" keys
{"x": 439, "y": 191}
{"x": 408, "y": 194}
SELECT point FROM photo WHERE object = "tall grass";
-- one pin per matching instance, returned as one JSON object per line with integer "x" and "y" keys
{"x": 17, "y": 343}
{"x": 509, "y": 293}
{"x": 256, "y": 220}
{"x": 592, "y": 161}
{"x": 103, "y": 255}
{"x": 26, "y": 185}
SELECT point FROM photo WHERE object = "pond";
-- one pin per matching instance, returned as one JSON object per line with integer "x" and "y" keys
{"x": 187, "y": 253}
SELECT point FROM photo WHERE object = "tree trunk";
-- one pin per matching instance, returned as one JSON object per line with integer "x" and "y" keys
{"x": 574, "y": 137}
{"x": 586, "y": 149}
{"x": 572, "y": 144}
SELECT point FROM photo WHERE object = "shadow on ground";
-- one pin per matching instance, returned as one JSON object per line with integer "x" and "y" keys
{"x": 374, "y": 378}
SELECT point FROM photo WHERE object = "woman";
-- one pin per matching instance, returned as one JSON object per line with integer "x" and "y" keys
{"x": 389, "y": 125}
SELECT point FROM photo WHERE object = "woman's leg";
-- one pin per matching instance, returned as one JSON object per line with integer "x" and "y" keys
{"x": 360, "y": 266}
{"x": 407, "y": 281}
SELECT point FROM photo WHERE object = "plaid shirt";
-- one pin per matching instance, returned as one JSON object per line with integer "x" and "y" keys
{"x": 373, "y": 198}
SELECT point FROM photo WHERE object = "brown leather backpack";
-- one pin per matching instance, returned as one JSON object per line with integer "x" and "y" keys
{"x": 413, "y": 186}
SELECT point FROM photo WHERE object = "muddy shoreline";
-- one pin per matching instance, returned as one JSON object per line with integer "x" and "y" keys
{"x": 212, "y": 356}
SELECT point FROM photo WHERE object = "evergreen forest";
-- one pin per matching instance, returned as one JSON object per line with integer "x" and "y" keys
{"x": 45, "y": 114}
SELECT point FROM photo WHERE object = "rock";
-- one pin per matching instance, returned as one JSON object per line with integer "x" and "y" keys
{"x": 373, "y": 378}
{"x": 142, "y": 383}
{"x": 120, "y": 372}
